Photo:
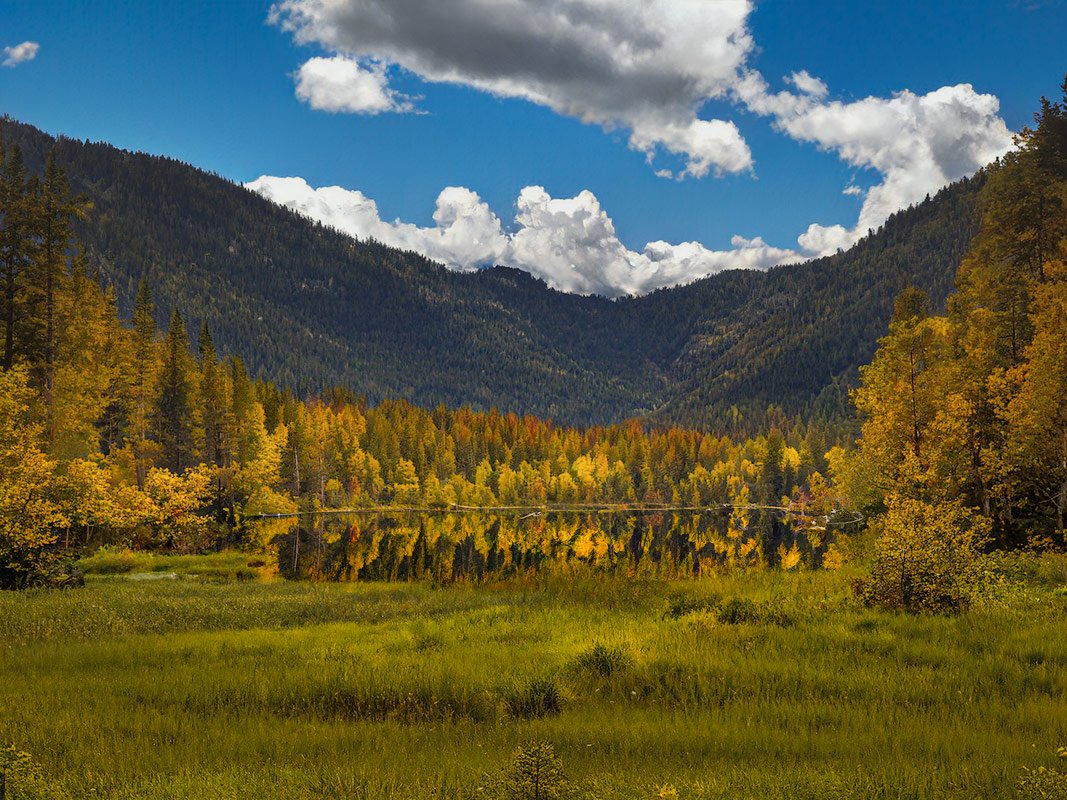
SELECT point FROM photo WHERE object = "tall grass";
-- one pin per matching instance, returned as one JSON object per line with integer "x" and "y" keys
{"x": 231, "y": 690}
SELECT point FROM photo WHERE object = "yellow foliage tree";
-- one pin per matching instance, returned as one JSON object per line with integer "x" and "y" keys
{"x": 29, "y": 514}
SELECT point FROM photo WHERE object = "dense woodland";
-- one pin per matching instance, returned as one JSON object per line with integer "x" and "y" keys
{"x": 310, "y": 308}
{"x": 118, "y": 432}
{"x": 114, "y": 431}
{"x": 964, "y": 437}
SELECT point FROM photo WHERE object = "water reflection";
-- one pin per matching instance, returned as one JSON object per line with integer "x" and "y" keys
{"x": 446, "y": 547}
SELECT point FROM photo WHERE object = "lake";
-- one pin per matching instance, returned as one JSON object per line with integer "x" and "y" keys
{"x": 450, "y": 546}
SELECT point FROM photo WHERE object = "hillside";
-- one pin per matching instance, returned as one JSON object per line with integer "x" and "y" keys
{"x": 308, "y": 306}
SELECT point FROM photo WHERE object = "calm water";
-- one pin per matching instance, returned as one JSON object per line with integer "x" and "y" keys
{"x": 446, "y": 547}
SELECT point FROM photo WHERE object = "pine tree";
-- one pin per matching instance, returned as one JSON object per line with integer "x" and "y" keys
{"x": 114, "y": 424}
{"x": 17, "y": 245}
{"x": 144, "y": 371}
{"x": 55, "y": 213}
{"x": 213, "y": 411}
{"x": 173, "y": 414}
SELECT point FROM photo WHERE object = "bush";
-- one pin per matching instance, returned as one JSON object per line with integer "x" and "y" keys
{"x": 534, "y": 773}
{"x": 603, "y": 660}
{"x": 21, "y": 778}
{"x": 742, "y": 611}
{"x": 738, "y": 611}
{"x": 684, "y": 605}
{"x": 540, "y": 697}
{"x": 928, "y": 558}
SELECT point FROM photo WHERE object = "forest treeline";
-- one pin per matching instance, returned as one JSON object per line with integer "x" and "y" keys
{"x": 119, "y": 432}
{"x": 307, "y": 307}
{"x": 130, "y": 432}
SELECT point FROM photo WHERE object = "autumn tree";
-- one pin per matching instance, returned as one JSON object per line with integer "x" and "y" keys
{"x": 29, "y": 516}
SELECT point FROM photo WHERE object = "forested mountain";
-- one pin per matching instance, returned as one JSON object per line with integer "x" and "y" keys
{"x": 310, "y": 307}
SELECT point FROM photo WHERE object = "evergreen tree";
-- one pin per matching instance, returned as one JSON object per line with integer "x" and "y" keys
{"x": 214, "y": 411}
{"x": 53, "y": 221}
{"x": 144, "y": 369}
{"x": 173, "y": 416}
{"x": 17, "y": 244}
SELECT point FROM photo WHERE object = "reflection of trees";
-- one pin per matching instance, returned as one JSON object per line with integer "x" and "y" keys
{"x": 446, "y": 548}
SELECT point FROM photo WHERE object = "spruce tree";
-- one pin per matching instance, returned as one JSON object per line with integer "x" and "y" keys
{"x": 173, "y": 415}
{"x": 53, "y": 222}
{"x": 213, "y": 406}
{"x": 17, "y": 246}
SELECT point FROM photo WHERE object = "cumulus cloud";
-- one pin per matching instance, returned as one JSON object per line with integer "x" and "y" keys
{"x": 20, "y": 53}
{"x": 569, "y": 242}
{"x": 344, "y": 84}
{"x": 808, "y": 84}
{"x": 466, "y": 233}
{"x": 646, "y": 66}
{"x": 918, "y": 143}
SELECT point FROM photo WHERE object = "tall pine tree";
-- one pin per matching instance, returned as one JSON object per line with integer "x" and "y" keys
{"x": 173, "y": 415}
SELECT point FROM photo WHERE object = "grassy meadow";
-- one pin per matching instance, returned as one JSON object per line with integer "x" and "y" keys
{"x": 212, "y": 683}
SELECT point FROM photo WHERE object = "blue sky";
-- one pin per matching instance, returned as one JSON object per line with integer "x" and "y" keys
{"x": 214, "y": 84}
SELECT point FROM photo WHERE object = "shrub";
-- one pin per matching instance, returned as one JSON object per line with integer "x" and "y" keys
{"x": 928, "y": 558}
{"x": 684, "y": 605}
{"x": 738, "y": 611}
{"x": 603, "y": 660}
{"x": 21, "y": 778}
{"x": 429, "y": 643}
{"x": 742, "y": 611}
{"x": 540, "y": 697}
{"x": 534, "y": 773}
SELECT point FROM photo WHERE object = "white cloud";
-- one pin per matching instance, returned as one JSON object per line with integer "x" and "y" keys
{"x": 569, "y": 242}
{"x": 646, "y": 67}
{"x": 918, "y": 143}
{"x": 643, "y": 65}
{"x": 20, "y": 53}
{"x": 465, "y": 236}
{"x": 852, "y": 190}
{"x": 808, "y": 84}
{"x": 343, "y": 84}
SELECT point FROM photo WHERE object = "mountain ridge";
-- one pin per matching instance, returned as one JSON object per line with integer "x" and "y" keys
{"x": 309, "y": 306}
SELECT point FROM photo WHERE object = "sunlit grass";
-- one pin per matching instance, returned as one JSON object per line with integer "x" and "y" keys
{"x": 227, "y": 565}
{"x": 270, "y": 689}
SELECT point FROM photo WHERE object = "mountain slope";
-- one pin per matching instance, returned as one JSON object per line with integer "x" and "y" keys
{"x": 309, "y": 306}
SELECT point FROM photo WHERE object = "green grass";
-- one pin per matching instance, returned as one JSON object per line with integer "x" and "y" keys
{"x": 228, "y": 565}
{"x": 187, "y": 688}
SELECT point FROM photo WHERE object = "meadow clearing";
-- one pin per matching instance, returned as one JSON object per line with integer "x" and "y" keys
{"x": 215, "y": 681}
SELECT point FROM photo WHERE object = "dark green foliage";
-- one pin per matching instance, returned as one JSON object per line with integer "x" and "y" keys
{"x": 683, "y": 605}
{"x": 174, "y": 412}
{"x": 743, "y": 611}
{"x": 535, "y": 773}
{"x": 308, "y": 307}
{"x": 35, "y": 568}
{"x": 540, "y": 697}
{"x": 603, "y": 660}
